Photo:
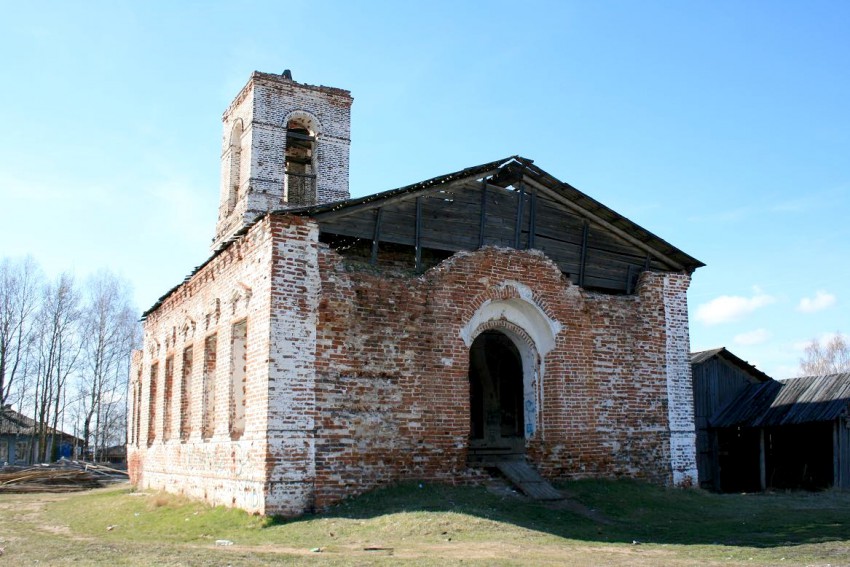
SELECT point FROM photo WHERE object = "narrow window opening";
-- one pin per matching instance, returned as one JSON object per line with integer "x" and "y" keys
{"x": 152, "y": 404}
{"x": 238, "y": 362}
{"x": 137, "y": 407}
{"x": 235, "y": 180}
{"x": 186, "y": 395}
{"x": 23, "y": 453}
{"x": 168, "y": 395}
{"x": 209, "y": 387}
{"x": 300, "y": 166}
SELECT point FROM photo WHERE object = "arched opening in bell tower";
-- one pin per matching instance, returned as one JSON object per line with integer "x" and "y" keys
{"x": 235, "y": 166}
{"x": 300, "y": 163}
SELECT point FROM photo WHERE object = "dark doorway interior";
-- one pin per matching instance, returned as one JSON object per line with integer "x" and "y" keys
{"x": 496, "y": 397}
{"x": 800, "y": 456}
{"x": 795, "y": 457}
{"x": 738, "y": 460}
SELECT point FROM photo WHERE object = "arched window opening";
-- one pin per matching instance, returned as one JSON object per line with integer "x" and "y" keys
{"x": 300, "y": 167}
{"x": 152, "y": 404}
{"x": 235, "y": 165}
{"x": 208, "y": 417}
{"x": 238, "y": 378}
{"x": 168, "y": 401}
{"x": 186, "y": 394}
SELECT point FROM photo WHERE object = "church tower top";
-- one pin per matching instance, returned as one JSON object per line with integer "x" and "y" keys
{"x": 285, "y": 145}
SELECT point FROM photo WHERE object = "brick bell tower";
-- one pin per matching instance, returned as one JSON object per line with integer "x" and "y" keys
{"x": 285, "y": 145}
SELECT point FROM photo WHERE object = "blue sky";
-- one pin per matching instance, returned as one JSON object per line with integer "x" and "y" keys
{"x": 723, "y": 127}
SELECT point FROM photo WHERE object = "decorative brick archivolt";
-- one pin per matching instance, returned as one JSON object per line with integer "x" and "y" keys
{"x": 515, "y": 303}
{"x": 306, "y": 117}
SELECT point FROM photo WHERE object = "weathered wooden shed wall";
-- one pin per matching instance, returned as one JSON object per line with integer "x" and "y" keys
{"x": 842, "y": 449}
{"x": 718, "y": 378}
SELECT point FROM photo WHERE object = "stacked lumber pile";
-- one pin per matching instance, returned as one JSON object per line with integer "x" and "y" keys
{"x": 65, "y": 476}
{"x": 44, "y": 479}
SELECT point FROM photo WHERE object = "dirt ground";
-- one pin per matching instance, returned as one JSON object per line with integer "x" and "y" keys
{"x": 31, "y": 534}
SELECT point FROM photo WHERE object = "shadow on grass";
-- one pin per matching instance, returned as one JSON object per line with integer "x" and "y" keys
{"x": 624, "y": 512}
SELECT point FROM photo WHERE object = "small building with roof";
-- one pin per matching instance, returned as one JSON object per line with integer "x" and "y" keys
{"x": 719, "y": 377}
{"x": 791, "y": 434}
{"x": 20, "y": 436}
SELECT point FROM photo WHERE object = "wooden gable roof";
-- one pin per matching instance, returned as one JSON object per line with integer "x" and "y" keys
{"x": 509, "y": 203}
{"x": 755, "y": 375}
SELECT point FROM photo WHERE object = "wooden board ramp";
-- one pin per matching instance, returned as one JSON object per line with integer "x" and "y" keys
{"x": 528, "y": 480}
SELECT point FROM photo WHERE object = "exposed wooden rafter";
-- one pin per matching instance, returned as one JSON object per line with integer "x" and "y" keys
{"x": 602, "y": 222}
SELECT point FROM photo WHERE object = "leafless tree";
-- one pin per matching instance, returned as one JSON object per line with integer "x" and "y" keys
{"x": 56, "y": 350}
{"x": 830, "y": 357}
{"x": 65, "y": 354}
{"x": 20, "y": 281}
{"x": 110, "y": 331}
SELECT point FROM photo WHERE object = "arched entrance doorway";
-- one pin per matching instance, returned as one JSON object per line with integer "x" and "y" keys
{"x": 496, "y": 385}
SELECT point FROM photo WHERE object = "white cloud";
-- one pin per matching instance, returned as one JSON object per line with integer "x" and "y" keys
{"x": 728, "y": 308}
{"x": 820, "y": 301}
{"x": 755, "y": 337}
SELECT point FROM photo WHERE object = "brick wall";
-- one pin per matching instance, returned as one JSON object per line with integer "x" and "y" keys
{"x": 679, "y": 381}
{"x": 234, "y": 286}
{"x": 357, "y": 377}
{"x": 392, "y": 392}
{"x": 291, "y": 385}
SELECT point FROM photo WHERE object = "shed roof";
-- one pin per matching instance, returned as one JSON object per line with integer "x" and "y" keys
{"x": 722, "y": 353}
{"x": 792, "y": 402}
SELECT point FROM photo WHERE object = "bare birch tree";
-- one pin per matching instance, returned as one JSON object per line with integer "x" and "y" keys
{"x": 65, "y": 354}
{"x": 20, "y": 281}
{"x": 56, "y": 350}
{"x": 830, "y": 357}
{"x": 110, "y": 331}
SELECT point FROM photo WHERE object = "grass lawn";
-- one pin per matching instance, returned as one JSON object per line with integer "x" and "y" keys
{"x": 601, "y": 523}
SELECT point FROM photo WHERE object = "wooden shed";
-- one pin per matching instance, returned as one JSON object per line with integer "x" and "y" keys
{"x": 718, "y": 378}
{"x": 798, "y": 429}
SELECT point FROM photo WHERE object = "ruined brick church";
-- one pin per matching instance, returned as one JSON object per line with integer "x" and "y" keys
{"x": 332, "y": 345}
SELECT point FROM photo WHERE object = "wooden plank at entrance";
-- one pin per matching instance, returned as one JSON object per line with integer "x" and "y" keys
{"x": 528, "y": 480}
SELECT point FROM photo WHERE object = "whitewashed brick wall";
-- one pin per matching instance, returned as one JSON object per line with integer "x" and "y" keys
{"x": 680, "y": 382}
{"x": 233, "y": 286}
